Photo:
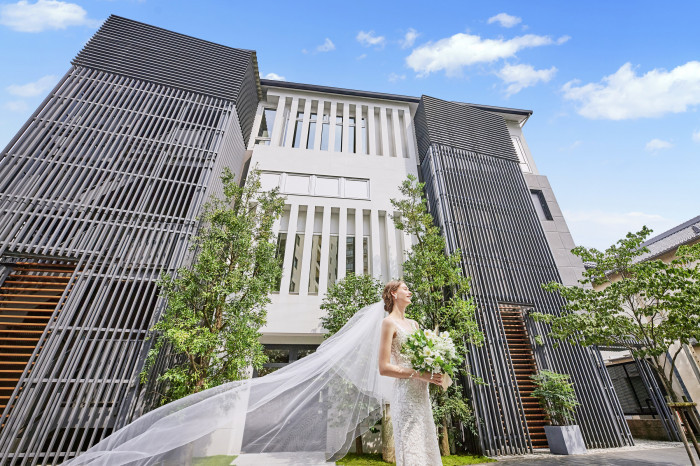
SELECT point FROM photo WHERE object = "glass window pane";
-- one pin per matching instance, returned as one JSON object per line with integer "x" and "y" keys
{"x": 295, "y": 274}
{"x": 327, "y": 186}
{"x": 297, "y": 184}
{"x": 312, "y": 132}
{"x": 315, "y": 269}
{"x": 325, "y": 131}
{"x": 333, "y": 260}
{"x": 363, "y": 135}
{"x": 277, "y": 356}
{"x": 351, "y": 138}
{"x": 540, "y": 205}
{"x": 365, "y": 255}
{"x": 338, "y": 134}
{"x": 350, "y": 254}
{"x": 356, "y": 189}
{"x": 279, "y": 254}
{"x": 267, "y": 122}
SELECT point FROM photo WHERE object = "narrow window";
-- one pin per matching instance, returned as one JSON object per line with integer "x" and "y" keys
{"x": 315, "y": 269}
{"x": 296, "y": 264}
{"x": 297, "y": 129}
{"x": 279, "y": 254}
{"x": 349, "y": 254}
{"x": 333, "y": 260}
{"x": 365, "y": 255}
{"x": 325, "y": 131}
{"x": 363, "y": 135}
{"x": 540, "y": 204}
{"x": 351, "y": 134}
{"x": 266, "y": 126}
{"x": 312, "y": 132}
{"x": 338, "y": 133}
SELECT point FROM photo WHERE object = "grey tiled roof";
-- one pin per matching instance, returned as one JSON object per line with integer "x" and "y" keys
{"x": 669, "y": 240}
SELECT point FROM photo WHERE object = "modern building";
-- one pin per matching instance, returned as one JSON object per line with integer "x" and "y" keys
{"x": 101, "y": 188}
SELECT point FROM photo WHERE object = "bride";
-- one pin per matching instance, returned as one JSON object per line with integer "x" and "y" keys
{"x": 415, "y": 438}
{"x": 315, "y": 406}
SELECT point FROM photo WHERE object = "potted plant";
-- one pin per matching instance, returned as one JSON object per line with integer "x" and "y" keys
{"x": 558, "y": 399}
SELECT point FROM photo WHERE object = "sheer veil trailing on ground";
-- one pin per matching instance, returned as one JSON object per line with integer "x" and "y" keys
{"x": 320, "y": 403}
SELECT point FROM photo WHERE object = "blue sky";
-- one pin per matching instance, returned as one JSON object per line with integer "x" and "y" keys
{"x": 614, "y": 86}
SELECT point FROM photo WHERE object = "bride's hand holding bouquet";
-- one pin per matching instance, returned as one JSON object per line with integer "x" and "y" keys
{"x": 434, "y": 352}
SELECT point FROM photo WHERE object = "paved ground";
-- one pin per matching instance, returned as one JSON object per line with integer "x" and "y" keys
{"x": 675, "y": 456}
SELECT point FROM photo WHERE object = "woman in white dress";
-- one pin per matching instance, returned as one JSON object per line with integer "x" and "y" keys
{"x": 415, "y": 438}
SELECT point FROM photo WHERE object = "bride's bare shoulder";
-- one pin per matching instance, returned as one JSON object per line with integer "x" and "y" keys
{"x": 414, "y": 323}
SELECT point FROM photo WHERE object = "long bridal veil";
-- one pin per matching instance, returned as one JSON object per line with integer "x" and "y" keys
{"x": 320, "y": 403}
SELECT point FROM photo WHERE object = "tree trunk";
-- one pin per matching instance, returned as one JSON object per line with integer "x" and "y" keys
{"x": 358, "y": 446}
{"x": 445, "y": 440}
{"x": 388, "y": 453}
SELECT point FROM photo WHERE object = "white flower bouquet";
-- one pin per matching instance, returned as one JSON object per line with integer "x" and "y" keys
{"x": 432, "y": 351}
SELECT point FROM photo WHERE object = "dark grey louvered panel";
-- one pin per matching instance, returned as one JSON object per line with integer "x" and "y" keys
{"x": 142, "y": 51}
{"x": 110, "y": 173}
{"x": 484, "y": 208}
{"x": 462, "y": 126}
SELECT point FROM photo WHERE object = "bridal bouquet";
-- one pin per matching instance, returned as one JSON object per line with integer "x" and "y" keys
{"x": 432, "y": 351}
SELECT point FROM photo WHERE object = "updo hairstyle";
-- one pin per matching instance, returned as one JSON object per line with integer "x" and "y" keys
{"x": 390, "y": 287}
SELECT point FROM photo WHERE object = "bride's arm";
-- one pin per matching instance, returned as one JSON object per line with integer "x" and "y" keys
{"x": 392, "y": 370}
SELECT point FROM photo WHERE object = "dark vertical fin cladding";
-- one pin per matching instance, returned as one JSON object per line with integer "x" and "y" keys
{"x": 478, "y": 196}
{"x": 110, "y": 174}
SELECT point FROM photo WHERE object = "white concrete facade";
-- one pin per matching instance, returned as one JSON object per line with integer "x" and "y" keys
{"x": 339, "y": 160}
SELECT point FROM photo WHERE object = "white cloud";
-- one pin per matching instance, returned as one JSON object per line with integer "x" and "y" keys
{"x": 393, "y": 77}
{"x": 505, "y": 20}
{"x": 274, "y": 76}
{"x": 601, "y": 229}
{"x": 625, "y": 95}
{"x": 563, "y": 40}
{"x": 657, "y": 144}
{"x": 518, "y": 77}
{"x": 362, "y": 57}
{"x": 369, "y": 39}
{"x": 44, "y": 14}
{"x": 16, "y": 106}
{"x": 33, "y": 89}
{"x": 327, "y": 46}
{"x": 409, "y": 38}
{"x": 453, "y": 53}
{"x": 696, "y": 136}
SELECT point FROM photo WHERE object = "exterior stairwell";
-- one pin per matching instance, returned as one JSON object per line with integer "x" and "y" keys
{"x": 28, "y": 298}
{"x": 523, "y": 359}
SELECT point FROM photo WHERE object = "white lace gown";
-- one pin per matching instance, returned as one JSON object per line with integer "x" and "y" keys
{"x": 415, "y": 439}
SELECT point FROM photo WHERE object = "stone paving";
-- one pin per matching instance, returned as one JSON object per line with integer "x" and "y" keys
{"x": 645, "y": 452}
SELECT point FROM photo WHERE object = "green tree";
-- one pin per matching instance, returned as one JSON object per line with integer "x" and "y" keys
{"x": 215, "y": 308}
{"x": 440, "y": 297}
{"x": 645, "y": 306}
{"x": 343, "y": 299}
{"x": 347, "y": 296}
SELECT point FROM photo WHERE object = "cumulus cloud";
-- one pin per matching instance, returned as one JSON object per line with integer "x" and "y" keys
{"x": 626, "y": 95}
{"x": 33, "y": 89}
{"x": 16, "y": 106}
{"x": 44, "y": 14}
{"x": 393, "y": 77}
{"x": 327, "y": 46}
{"x": 369, "y": 39}
{"x": 600, "y": 229}
{"x": 505, "y": 20}
{"x": 274, "y": 76}
{"x": 455, "y": 52}
{"x": 409, "y": 38}
{"x": 696, "y": 136}
{"x": 657, "y": 144}
{"x": 518, "y": 77}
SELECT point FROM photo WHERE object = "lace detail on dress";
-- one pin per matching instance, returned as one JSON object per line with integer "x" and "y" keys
{"x": 415, "y": 438}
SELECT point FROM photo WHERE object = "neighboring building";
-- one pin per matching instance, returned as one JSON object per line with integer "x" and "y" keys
{"x": 100, "y": 190}
{"x": 640, "y": 394}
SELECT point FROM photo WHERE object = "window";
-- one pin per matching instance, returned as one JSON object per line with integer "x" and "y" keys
{"x": 279, "y": 254}
{"x": 297, "y": 129}
{"x": 312, "y": 132}
{"x": 315, "y": 269}
{"x": 338, "y": 133}
{"x": 333, "y": 260}
{"x": 363, "y": 135}
{"x": 325, "y": 131}
{"x": 540, "y": 204}
{"x": 351, "y": 134}
{"x": 296, "y": 269}
{"x": 349, "y": 254}
{"x": 266, "y": 126}
{"x": 279, "y": 356}
{"x": 365, "y": 255}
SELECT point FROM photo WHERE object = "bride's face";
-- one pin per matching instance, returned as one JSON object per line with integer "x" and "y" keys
{"x": 402, "y": 295}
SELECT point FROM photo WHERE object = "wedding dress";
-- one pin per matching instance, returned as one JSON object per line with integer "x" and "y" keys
{"x": 318, "y": 404}
{"x": 415, "y": 438}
